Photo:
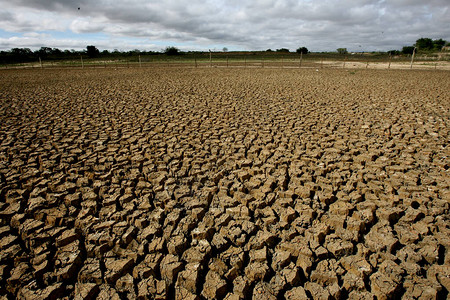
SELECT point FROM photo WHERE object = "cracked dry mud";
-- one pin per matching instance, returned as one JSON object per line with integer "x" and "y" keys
{"x": 224, "y": 184}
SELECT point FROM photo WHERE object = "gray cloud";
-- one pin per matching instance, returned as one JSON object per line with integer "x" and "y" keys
{"x": 318, "y": 25}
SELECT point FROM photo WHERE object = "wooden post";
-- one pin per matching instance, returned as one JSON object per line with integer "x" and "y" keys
{"x": 40, "y": 62}
{"x": 227, "y": 61}
{"x": 412, "y": 57}
{"x": 82, "y": 64}
{"x": 367, "y": 65}
{"x": 343, "y": 65}
{"x": 301, "y": 57}
{"x": 140, "y": 64}
{"x": 195, "y": 61}
{"x": 390, "y": 58}
{"x": 262, "y": 61}
{"x": 210, "y": 59}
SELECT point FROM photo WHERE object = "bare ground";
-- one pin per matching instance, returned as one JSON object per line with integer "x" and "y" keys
{"x": 224, "y": 183}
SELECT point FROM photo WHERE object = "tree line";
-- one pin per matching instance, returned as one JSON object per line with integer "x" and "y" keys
{"x": 421, "y": 45}
{"x": 23, "y": 55}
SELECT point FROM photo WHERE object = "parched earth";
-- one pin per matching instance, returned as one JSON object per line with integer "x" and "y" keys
{"x": 163, "y": 183}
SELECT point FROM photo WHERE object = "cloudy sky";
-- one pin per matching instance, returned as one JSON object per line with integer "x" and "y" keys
{"x": 321, "y": 25}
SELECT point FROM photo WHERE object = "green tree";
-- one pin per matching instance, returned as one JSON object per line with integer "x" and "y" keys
{"x": 408, "y": 49}
{"x": 394, "y": 52}
{"x": 283, "y": 50}
{"x": 172, "y": 51}
{"x": 92, "y": 51}
{"x": 342, "y": 50}
{"x": 44, "y": 52}
{"x": 303, "y": 50}
{"x": 424, "y": 44}
{"x": 438, "y": 44}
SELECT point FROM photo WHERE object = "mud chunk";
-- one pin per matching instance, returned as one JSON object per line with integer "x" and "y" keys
{"x": 297, "y": 293}
{"x": 263, "y": 290}
{"x": 263, "y": 238}
{"x": 170, "y": 267}
{"x": 20, "y": 276}
{"x": 151, "y": 288}
{"x": 125, "y": 284}
{"x": 280, "y": 260}
{"x": 86, "y": 291}
{"x": 183, "y": 294}
{"x": 338, "y": 247}
{"x": 380, "y": 238}
{"x": 356, "y": 265}
{"x": 199, "y": 253}
{"x": 67, "y": 237}
{"x": 258, "y": 255}
{"x": 241, "y": 286}
{"x": 203, "y": 232}
{"x": 382, "y": 286}
{"x": 214, "y": 286}
{"x": 107, "y": 292}
{"x": 256, "y": 271}
{"x": 90, "y": 272}
{"x": 31, "y": 292}
{"x": 219, "y": 241}
{"x": 189, "y": 277}
{"x": 115, "y": 268}
{"x": 148, "y": 267}
{"x": 317, "y": 291}
{"x": 177, "y": 244}
{"x": 326, "y": 272}
{"x": 353, "y": 282}
{"x": 69, "y": 259}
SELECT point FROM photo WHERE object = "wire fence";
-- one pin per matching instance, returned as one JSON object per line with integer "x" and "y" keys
{"x": 226, "y": 62}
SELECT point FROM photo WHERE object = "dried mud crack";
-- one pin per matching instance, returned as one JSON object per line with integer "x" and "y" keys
{"x": 224, "y": 184}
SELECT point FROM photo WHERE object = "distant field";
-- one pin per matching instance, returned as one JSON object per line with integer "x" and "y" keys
{"x": 224, "y": 183}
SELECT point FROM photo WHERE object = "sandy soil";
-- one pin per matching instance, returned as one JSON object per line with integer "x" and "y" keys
{"x": 163, "y": 183}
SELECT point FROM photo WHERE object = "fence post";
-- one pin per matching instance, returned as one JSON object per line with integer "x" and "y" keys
{"x": 195, "y": 61}
{"x": 40, "y": 62}
{"x": 140, "y": 64}
{"x": 301, "y": 57}
{"x": 210, "y": 59}
{"x": 262, "y": 61}
{"x": 227, "y": 61}
{"x": 367, "y": 65}
{"x": 412, "y": 57}
{"x": 390, "y": 58}
{"x": 345, "y": 60}
{"x": 82, "y": 64}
